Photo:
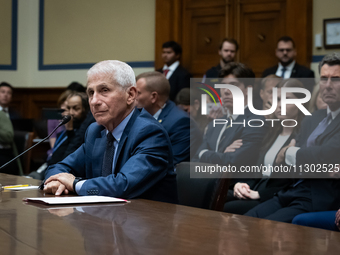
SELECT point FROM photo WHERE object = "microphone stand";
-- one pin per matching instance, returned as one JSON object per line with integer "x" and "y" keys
{"x": 66, "y": 119}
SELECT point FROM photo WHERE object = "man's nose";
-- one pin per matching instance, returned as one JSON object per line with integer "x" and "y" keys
{"x": 227, "y": 92}
{"x": 95, "y": 99}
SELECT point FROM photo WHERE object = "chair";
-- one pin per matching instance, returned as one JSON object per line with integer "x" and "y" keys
{"x": 206, "y": 193}
{"x": 23, "y": 140}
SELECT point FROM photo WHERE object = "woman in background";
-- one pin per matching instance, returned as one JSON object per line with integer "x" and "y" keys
{"x": 246, "y": 195}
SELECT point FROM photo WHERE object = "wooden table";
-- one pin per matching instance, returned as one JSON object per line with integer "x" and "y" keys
{"x": 145, "y": 227}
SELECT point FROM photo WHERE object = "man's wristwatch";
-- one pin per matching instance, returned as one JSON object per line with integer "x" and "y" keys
{"x": 76, "y": 180}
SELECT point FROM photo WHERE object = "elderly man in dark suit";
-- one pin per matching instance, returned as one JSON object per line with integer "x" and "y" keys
{"x": 287, "y": 66}
{"x": 126, "y": 152}
{"x": 177, "y": 75}
{"x": 317, "y": 143}
{"x": 153, "y": 95}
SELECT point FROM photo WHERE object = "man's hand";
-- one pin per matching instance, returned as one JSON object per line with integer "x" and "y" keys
{"x": 64, "y": 179}
{"x": 235, "y": 145}
{"x": 55, "y": 187}
{"x": 337, "y": 219}
{"x": 281, "y": 155}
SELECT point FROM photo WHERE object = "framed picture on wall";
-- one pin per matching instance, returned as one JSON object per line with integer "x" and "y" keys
{"x": 331, "y": 33}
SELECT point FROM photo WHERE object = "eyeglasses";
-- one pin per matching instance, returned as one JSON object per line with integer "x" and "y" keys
{"x": 333, "y": 80}
{"x": 283, "y": 50}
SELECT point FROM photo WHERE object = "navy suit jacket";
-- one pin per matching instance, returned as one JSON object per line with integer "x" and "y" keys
{"x": 143, "y": 164}
{"x": 298, "y": 71}
{"x": 180, "y": 127}
{"x": 179, "y": 79}
{"x": 251, "y": 138}
{"x": 325, "y": 192}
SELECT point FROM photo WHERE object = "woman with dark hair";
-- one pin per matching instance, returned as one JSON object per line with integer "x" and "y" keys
{"x": 246, "y": 195}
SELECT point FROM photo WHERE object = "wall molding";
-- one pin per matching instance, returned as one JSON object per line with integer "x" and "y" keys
{"x": 42, "y": 66}
{"x": 14, "y": 50}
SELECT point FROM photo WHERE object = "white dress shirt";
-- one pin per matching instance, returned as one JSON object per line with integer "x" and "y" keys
{"x": 171, "y": 69}
{"x": 288, "y": 71}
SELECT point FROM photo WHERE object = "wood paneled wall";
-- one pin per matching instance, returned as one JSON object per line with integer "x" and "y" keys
{"x": 200, "y": 25}
{"x": 30, "y": 101}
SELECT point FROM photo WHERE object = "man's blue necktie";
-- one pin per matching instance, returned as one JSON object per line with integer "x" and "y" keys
{"x": 284, "y": 69}
{"x": 315, "y": 134}
{"x": 108, "y": 156}
{"x": 319, "y": 130}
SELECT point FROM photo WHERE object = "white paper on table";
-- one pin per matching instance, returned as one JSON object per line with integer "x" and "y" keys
{"x": 74, "y": 200}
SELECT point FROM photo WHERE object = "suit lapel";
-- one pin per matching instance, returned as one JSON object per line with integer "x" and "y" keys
{"x": 174, "y": 75}
{"x": 125, "y": 135}
{"x": 165, "y": 111}
{"x": 331, "y": 127}
{"x": 294, "y": 71}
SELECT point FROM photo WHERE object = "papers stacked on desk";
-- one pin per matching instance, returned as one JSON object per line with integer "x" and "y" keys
{"x": 74, "y": 200}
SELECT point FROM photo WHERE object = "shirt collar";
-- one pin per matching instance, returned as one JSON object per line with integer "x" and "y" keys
{"x": 3, "y": 108}
{"x": 289, "y": 67}
{"x": 234, "y": 116}
{"x": 172, "y": 67}
{"x": 334, "y": 114}
{"x": 118, "y": 131}
{"x": 156, "y": 115}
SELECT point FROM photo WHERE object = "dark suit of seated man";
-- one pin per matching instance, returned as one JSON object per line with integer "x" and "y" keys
{"x": 126, "y": 152}
{"x": 177, "y": 75}
{"x": 153, "y": 95}
{"x": 218, "y": 138}
{"x": 318, "y": 143}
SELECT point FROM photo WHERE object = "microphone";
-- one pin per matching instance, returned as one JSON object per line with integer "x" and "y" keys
{"x": 63, "y": 121}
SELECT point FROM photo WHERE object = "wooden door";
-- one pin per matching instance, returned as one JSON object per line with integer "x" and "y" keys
{"x": 200, "y": 25}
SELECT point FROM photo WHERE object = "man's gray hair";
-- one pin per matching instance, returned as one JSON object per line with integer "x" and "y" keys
{"x": 120, "y": 72}
{"x": 330, "y": 59}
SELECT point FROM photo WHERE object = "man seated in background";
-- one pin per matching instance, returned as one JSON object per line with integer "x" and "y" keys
{"x": 287, "y": 66}
{"x": 227, "y": 51}
{"x": 6, "y": 92}
{"x": 153, "y": 95}
{"x": 7, "y": 145}
{"x": 126, "y": 152}
{"x": 318, "y": 143}
{"x": 177, "y": 75}
{"x": 189, "y": 100}
{"x": 218, "y": 138}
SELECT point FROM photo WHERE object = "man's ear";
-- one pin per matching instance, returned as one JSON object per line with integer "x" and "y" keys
{"x": 178, "y": 56}
{"x": 132, "y": 94}
{"x": 154, "y": 97}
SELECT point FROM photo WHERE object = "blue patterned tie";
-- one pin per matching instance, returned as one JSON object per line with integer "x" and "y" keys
{"x": 284, "y": 69}
{"x": 314, "y": 135}
{"x": 108, "y": 156}
{"x": 318, "y": 130}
